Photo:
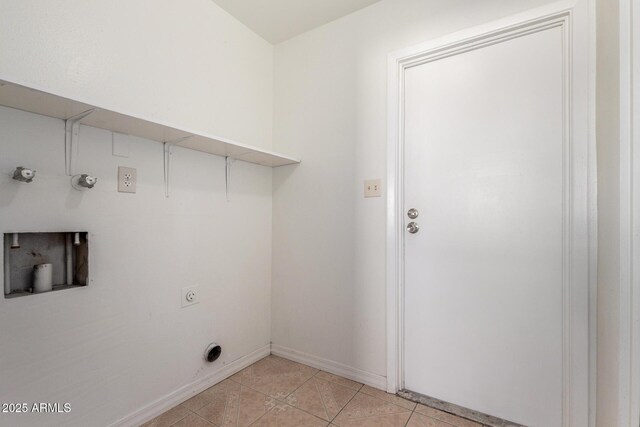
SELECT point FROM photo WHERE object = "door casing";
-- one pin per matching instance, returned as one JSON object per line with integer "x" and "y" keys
{"x": 577, "y": 19}
{"x": 629, "y": 337}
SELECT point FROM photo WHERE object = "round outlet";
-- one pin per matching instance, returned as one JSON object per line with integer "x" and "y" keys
{"x": 191, "y": 295}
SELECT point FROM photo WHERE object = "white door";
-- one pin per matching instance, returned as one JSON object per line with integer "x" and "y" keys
{"x": 485, "y": 169}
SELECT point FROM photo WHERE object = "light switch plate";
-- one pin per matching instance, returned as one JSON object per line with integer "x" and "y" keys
{"x": 373, "y": 188}
{"x": 127, "y": 180}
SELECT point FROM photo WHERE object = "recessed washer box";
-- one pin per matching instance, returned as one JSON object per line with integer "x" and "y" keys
{"x": 44, "y": 262}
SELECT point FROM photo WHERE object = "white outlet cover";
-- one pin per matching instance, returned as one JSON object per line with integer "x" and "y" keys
{"x": 127, "y": 179}
{"x": 373, "y": 188}
{"x": 190, "y": 295}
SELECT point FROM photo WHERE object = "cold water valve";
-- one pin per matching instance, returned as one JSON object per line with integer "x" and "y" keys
{"x": 83, "y": 182}
{"x": 87, "y": 181}
{"x": 23, "y": 174}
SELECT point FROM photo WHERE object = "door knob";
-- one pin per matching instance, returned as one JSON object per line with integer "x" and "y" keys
{"x": 413, "y": 227}
{"x": 413, "y": 213}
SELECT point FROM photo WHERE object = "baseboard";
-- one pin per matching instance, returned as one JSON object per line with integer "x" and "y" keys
{"x": 373, "y": 380}
{"x": 172, "y": 399}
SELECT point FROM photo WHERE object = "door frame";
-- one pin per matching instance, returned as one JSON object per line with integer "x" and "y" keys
{"x": 577, "y": 18}
{"x": 629, "y": 369}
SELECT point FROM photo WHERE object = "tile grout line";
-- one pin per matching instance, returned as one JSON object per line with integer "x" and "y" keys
{"x": 309, "y": 379}
{"x": 300, "y": 386}
{"x": 347, "y": 404}
{"x": 413, "y": 411}
{"x": 226, "y": 400}
{"x": 275, "y": 398}
{"x": 335, "y": 382}
{"x": 259, "y": 392}
{"x": 201, "y": 417}
{"x": 378, "y": 398}
{"x": 226, "y": 405}
{"x": 238, "y": 404}
{"x": 324, "y": 406}
{"x": 359, "y": 390}
{"x": 257, "y": 419}
{"x": 171, "y": 425}
{"x": 300, "y": 409}
{"x": 191, "y": 413}
{"x": 282, "y": 400}
{"x": 264, "y": 394}
{"x": 354, "y": 395}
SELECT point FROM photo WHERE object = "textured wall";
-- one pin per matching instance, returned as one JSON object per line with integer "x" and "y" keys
{"x": 123, "y": 341}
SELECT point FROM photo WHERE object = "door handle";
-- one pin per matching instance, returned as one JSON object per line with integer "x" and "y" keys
{"x": 413, "y": 213}
{"x": 413, "y": 227}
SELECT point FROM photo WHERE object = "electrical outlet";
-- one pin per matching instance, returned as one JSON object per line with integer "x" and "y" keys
{"x": 372, "y": 188}
{"x": 127, "y": 179}
{"x": 190, "y": 295}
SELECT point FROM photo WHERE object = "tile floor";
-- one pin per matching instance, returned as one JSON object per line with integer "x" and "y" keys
{"x": 276, "y": 392}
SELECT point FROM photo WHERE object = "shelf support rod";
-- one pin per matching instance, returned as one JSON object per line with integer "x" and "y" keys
{"x": 228, "y": 161}
{"x": 71, "y": 140}
{"x": 168, "y": 147}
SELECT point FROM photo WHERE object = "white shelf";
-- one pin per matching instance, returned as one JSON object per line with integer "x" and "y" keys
{"x": 35, "y": 101}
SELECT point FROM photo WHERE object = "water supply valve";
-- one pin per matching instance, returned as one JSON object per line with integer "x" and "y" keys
{"x": 83, "y": 182}
{"x": 23, "y": 174}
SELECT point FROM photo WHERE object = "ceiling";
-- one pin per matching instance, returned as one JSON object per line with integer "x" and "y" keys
{"x": 279, "y": 20}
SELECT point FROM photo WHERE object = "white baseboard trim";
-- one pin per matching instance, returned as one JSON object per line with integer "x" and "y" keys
{"x": 174, "y": 398}
{"x": 373, "y": 380}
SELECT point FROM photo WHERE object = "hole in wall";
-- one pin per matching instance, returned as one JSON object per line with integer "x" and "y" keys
{"x": 44, "y": 262}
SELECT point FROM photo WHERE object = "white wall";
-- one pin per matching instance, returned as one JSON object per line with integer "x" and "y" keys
{"x": 330, "y": 108}
{"x": 185, "y": 62}
{"x": 122, "y": 342}
{"x": 103, "y": 348}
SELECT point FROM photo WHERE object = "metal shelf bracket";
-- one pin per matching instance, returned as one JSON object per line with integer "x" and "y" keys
{"x": 72, "y": 141}
{"x": 168, "y": 148}
{"x": 228, "y": 162}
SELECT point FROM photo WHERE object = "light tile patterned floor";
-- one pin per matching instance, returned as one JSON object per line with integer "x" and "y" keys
{"x": 275, "y": 392}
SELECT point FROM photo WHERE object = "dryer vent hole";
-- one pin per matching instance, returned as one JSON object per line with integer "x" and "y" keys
{"x": 213, "y": 353}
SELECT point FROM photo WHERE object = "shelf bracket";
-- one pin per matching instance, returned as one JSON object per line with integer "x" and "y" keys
{"x": 228, "y": 161}
{"x": 71, "y": 140}
{"x": 168, "y": 148}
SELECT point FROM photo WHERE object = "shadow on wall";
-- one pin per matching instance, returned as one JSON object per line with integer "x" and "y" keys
{"x": 282, "y": 175}
{"x": 8, "y": 191}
